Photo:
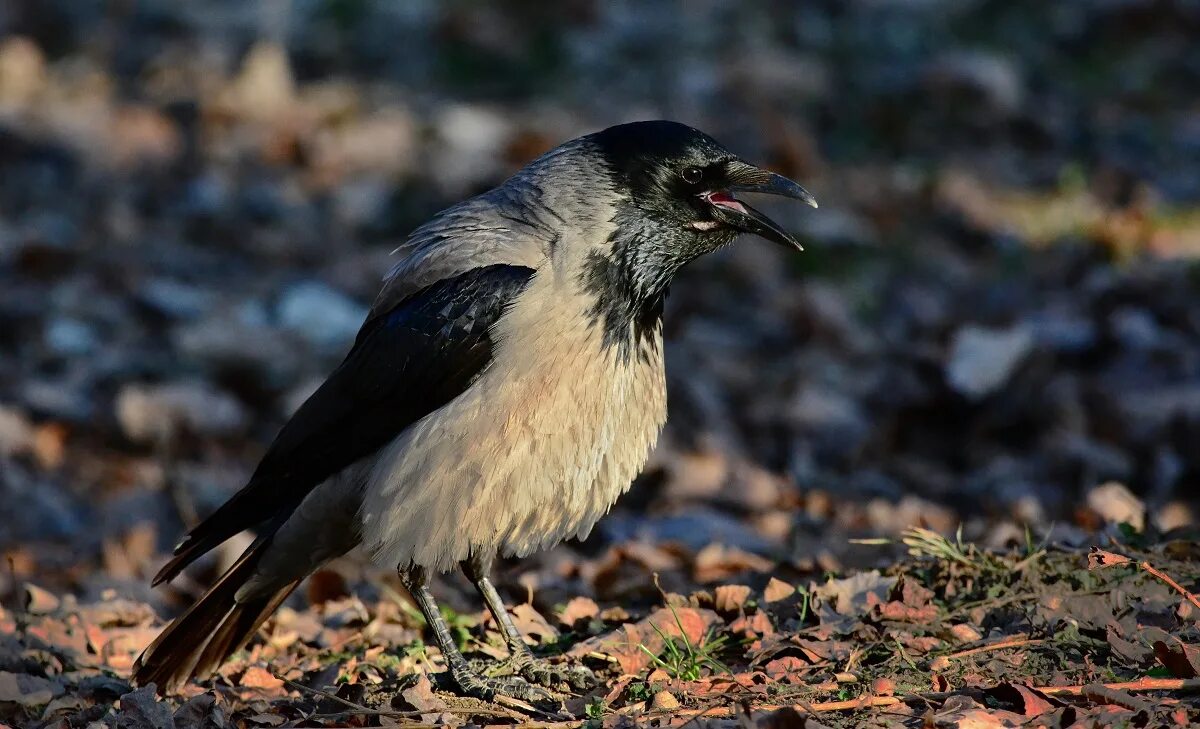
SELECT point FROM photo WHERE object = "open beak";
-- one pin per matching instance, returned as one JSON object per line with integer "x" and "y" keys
{"x": 737, "y": 214}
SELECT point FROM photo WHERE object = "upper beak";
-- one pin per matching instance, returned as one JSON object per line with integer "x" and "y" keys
{"x": 737, "y": 214}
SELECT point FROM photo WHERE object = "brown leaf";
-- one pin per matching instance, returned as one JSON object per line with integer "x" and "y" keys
{"x": 578, "y": 608}
{"x": 777, "y": 590}
{"x": 664, "y": 701}
{"x": 140, "y": 709}
{"x": 718, "y": 562}
{"x": 39, "y": 601}
{"x": 883, "y": 687}
{"x": 730, "y": 598}
{"x": 843, "y": 601}
{"x": 786, "y": 718}
{"x": 753, "y": 626}
{"x": 788, "y": 669}
{"x": 1181, "y": 659}
{"x": 1099, "y": 559}
{"x": 20, "y": 688}
{"x": 420, "y": 696}
{"x": 531, "y": 623}
{"x": 625, "y": 643}
{"x": 964, "y": 633}
{"x": 1028, "y": 701}
{"x": 200, "y": 712}
{"x": 901, "y": 612}
{"x": 257, "y": 677}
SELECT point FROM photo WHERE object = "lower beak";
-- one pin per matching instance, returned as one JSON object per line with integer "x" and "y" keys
{"x": 739, "y": 215}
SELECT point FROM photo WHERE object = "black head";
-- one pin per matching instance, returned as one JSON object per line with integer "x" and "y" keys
{"x": 684, "y": 181}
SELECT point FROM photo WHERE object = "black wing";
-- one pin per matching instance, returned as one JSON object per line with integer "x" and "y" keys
{"x": 406, "y": 362}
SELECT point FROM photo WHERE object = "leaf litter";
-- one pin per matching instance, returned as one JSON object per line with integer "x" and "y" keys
{"x": 1063, "y": 638}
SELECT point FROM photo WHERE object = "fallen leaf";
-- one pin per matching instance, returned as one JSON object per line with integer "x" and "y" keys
{"x": 201, "y": 712}
{"x": 578, "y": 608}
{"x": 1099, "y": 559}
{"x": 1028, "y": 701}
{"x": 785, "y": 718}
{"x": 717, "y": 562}
{"x": 843, "y": 601}
{"x": 257, "y": 677}
{"x": 625, "y": 644}
{"x": 883, "y": 687}
{"x": 531, "y": 624}
{"x": 39, "y": 601}
{"x": 664, "y": 701}
{"x": 777, "y": 590}
{"x": 26, "y": 690}
{"x": 964, "y": 633}
{"x": 141, "y": 709}
{"x": 730, "y": 598}
{"x": 788, "y": 669}
{"x": 420, "y": 696}
{"x": 1181, "y": 659}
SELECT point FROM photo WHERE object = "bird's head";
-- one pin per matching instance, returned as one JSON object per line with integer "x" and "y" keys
{"x": 680, "y": 188}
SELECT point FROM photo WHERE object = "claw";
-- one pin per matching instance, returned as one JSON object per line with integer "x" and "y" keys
{"x": 488, "y": 688}
{"x": 544, "y": 673}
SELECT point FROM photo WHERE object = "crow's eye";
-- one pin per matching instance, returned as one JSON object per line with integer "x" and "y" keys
{"x": 692, "y": 175}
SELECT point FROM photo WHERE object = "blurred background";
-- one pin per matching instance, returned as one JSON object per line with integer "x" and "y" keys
{"x": 994, "y": 324}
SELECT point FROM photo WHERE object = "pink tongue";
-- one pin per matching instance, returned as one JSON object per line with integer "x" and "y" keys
{"x": 725, "y": 200}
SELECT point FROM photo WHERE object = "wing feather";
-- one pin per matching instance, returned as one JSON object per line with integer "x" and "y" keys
{"x": 408, "y": 360}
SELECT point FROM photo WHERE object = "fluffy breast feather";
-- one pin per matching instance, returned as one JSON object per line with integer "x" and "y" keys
{"x": 534, "y": 452}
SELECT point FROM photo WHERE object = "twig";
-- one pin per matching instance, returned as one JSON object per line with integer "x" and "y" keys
{"x": 1001, "y": 645}
{"x": 1142, "y": 684}
{"x": 873, "y": 702}
{"x": 1100, "y": 558}
{"x": 1102, "y": 694}
{"x": 1167, "y": 579}
{"x": 368, "y": 711}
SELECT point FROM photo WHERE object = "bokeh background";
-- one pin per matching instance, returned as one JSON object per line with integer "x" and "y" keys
{"x": 995, "y": 323}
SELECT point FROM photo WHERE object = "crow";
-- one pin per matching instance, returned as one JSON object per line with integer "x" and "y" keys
{"x": 506, "y": 387}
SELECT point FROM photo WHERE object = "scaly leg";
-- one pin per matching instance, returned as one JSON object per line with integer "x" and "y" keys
{"x": 416, "y": 581}
{"x": 521, "y": 659}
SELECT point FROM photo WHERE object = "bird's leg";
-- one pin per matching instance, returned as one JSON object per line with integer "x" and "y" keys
{"x": 416, "y": 581}
{"x": 521, "y": 659}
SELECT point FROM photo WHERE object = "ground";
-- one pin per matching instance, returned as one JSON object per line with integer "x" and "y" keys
{"x": 948, "y": 636}
{"x": 992, "y": 335}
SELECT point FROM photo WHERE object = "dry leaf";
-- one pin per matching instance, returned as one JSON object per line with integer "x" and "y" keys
{"x": 777, "y": 590}
{"x": 1098, "y": 559}
{"x": 578, "y": 608}
{"x": 730, "y": 598}
{"x": 257, "y": 677}
{"x": 20, "y": 688}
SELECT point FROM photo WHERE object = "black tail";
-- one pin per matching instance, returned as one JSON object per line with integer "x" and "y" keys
{"x": 198, "y": 641}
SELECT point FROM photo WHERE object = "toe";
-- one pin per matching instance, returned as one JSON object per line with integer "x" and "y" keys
{"x": 580, "y": 678}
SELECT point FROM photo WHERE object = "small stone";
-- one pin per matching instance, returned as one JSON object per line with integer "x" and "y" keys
{"x": 148, "y": 413}
{"x": 16, "y": 433}
{"x": 982, "y": 360}
{"x": 1115, "y": 503}
{"x": 323, "y": 316}
{"x": 69, "y": 337}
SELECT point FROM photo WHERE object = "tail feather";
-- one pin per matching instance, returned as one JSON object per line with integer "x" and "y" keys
{"x": 197, "y": 642}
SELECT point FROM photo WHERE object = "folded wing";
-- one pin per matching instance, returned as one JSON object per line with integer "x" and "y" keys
{"x": 413, "y": 355}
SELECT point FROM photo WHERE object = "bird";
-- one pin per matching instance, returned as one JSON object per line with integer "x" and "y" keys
{"x": 505, "y": 388}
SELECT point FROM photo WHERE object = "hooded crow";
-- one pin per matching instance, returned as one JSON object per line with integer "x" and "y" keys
{"x": 505, "y": 389}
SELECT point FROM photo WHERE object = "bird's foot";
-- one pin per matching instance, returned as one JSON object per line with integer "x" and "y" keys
{"x": 544, "y": 673}
{"x": 487, "y": 688}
